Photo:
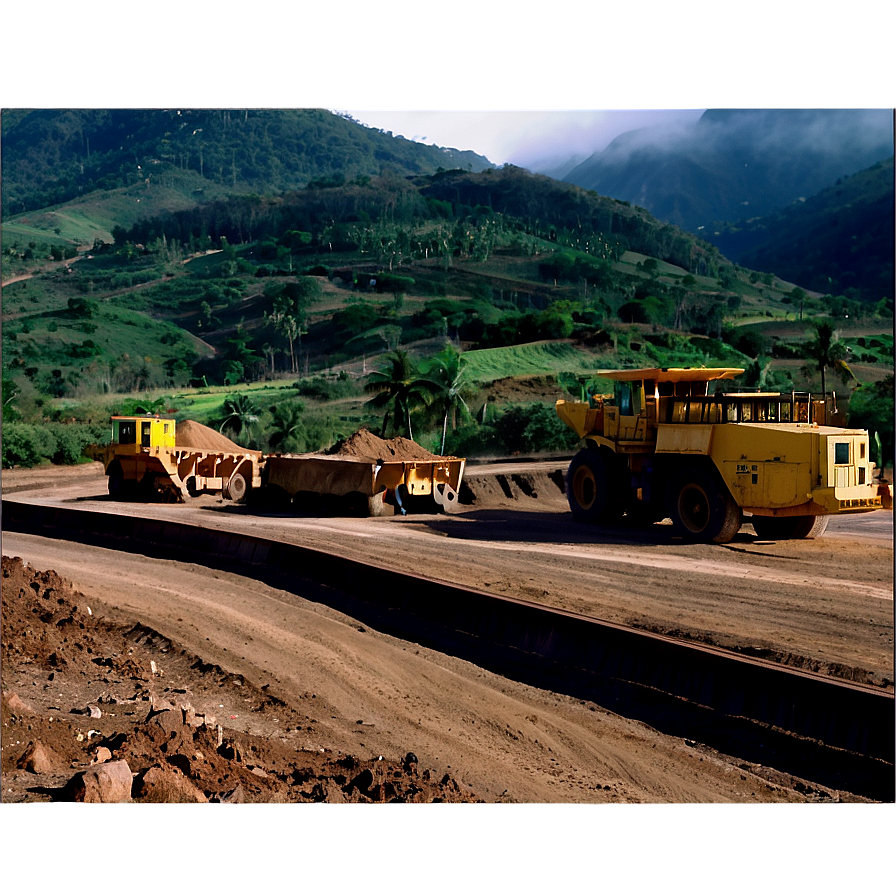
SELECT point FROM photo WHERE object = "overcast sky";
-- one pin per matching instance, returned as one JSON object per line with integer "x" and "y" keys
{"x": 528, "y": 139}
{"x": 508, "y": 79}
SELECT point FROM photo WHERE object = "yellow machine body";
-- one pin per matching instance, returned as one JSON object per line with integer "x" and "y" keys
{"x": 434, "y": 482}
{"x": 143, "y": 460}
{"x": 768, "y": 451}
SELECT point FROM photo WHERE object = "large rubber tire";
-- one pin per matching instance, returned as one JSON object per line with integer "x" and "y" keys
{"x": 237, "y": 488}
{"x": 783, "y": 528}
{"x": 273, "y": 497}
{"x": 595, "y": 487}
{"x": 120, "y": 489}
{"x": 148, "y": 490}
{"x": 701, "y": 508}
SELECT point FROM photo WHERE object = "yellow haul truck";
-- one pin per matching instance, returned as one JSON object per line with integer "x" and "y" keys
{"x": 662, "y": 446}
{"x": 145, "y": 462}
{"x": 153, "y": 459}
{"x": 362, "y": 485}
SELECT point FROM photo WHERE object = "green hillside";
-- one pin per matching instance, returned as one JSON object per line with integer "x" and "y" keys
{"x": 54, "y": 156}
{"x": 287, "y": 300}
{"x": 839, "y": 241}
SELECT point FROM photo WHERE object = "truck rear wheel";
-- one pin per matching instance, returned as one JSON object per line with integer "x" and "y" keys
{"x": 594, "y": 488}
{"x": 781, "y": 528}
{"x": 237, "y": 488}
{"x": 702, "y": 509}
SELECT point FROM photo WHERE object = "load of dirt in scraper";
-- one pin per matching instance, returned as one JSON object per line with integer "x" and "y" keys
{"x": 368, "y": 446}
{"x": 191, "y": 434}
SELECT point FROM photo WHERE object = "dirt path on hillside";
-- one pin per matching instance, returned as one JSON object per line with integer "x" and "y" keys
{"x": 825, "y": 605}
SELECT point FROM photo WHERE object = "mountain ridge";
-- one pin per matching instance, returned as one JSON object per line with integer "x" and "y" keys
{"x": 54, "y": 156}
{"x": 734, "y": 160}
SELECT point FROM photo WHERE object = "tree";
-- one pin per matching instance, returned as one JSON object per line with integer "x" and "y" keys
{"x": 289, "y": 315}
{"x": 825, "y": 350}
{"x": 399, "y": 389}
{"x": 81, "y": 308}
{"x": 287, "y": 423}
{"x": 239, "y": 414}
{"x": 871, "y": 408}
{"x": 446, "y": 372}
{"x": 10, "y": 394}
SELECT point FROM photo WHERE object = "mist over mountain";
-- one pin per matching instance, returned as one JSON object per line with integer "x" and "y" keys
{"x": 839, "y": 241}
{"x": 734, "y": 164}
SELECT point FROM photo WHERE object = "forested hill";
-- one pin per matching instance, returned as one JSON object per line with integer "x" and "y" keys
{"x": 734, "y": 163}
{"x": 53, "y": 156}
{"x": 342, "y": 217}
{"x": 839, "y": 241}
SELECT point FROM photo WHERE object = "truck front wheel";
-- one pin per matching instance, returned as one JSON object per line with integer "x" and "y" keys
{"x": 120, "y": 489}
{"x": 782, "y": 528}
{"x": 702, "y": 509}
{"x": 594, "y": 488}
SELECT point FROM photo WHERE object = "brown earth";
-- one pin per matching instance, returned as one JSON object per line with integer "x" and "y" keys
{"x": 191, "y": 434}
{"x": 368, "y": 446}
{"x": 80, "y": 688}
{"x": 337, "y": 685}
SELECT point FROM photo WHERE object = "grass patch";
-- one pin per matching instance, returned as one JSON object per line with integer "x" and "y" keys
{"x": 532, "y": 359}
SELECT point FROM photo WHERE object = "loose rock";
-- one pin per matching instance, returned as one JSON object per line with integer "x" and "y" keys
{"x": 165, "y": 785}
{"x": 109, "y": 782}
{"x": 39, "y": 760}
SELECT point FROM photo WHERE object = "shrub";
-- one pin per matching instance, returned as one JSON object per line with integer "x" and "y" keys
{"x": 533, "y": 428}
{"x": 26, "y": 445}
{"x": 323, "y": 389}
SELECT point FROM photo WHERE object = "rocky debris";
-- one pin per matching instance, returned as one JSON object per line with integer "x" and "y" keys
{"x": 39, "y": 760}
{"x": 17, "y": 706}
{"x": 102, "y": 755}
{"x": 162, "y": 784}
{"x": 108, "y": 782}
{"x": 158, "y": 738}
{"x": 366, "y": 445}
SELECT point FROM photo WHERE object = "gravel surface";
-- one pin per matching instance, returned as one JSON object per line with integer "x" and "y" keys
{"x": 825, "y": 605}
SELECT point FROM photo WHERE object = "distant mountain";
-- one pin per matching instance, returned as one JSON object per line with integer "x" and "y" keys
{"x": 839, "y": 241}
{"x": 53, "y": 156}
{"x": 736, "y": 163}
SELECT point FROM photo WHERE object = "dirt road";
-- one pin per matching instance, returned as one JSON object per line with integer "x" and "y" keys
{"x": 825, "y": 604}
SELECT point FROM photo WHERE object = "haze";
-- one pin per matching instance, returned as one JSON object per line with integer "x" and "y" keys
{"x": 537, "y": 140}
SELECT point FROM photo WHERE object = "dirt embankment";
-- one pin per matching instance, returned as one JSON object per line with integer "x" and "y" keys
{"x": 83, "y": 695}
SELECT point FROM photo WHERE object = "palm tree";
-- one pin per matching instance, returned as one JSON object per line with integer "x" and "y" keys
{"x": 287, "y": 423}
{"x": 239, "y": 414}
{"x": 399, "y": 389}
{"x": 446, "y": 370}
{"x": 825, "y": 350}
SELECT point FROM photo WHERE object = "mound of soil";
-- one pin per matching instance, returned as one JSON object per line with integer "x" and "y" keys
{"x": 82, "y": 692}
{"x": 525, "y": 388}
{"x": 368, "y": 446}
{"x": 191, "y": 434}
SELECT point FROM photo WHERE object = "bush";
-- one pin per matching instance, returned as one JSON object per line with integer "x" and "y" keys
{"x": 322, "y": 389}
{"x": 473, "y": 440}
{"x": 532, "y": 428}
{"x": 27, "y": 445}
